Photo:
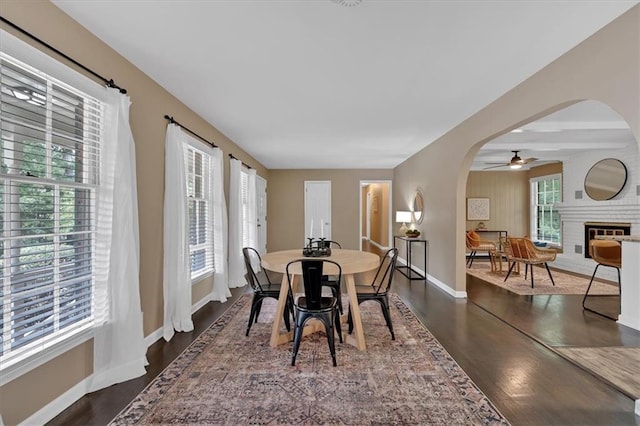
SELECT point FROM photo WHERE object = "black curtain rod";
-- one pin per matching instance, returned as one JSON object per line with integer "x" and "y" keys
{"x": 109, "y": 82}
{"x": 171, "y": 120}
{"x": 243, "y": 163}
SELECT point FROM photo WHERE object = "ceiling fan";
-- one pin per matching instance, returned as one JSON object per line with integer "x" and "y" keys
{"x": 515, "y": 163}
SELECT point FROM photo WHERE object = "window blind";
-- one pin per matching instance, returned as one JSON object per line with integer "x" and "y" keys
{"x": 199, "y": 193}
{"x": 244, "y": 197}
{"x": 49, "y": 172}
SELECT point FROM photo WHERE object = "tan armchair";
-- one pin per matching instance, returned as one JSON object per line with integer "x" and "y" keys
{"x": 523, "y": 250}
{"x": 476, "y": 244}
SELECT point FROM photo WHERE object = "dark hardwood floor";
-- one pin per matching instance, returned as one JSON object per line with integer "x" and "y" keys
{"x": 503, "y": 341}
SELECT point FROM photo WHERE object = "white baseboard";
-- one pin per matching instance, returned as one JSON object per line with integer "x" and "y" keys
{"x": 381, "y": 247}
{"x": 437, "y": 282}
{"x": 58, "y": 405}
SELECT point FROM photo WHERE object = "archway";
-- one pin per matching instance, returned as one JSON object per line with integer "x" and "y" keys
{"x": 567, "y": 142}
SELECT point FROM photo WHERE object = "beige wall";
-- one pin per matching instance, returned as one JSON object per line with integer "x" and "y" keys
{"x": 508, "y": 194}
{"x": 605, "y": 67}
{"x": 25, "y": 395}
{"x": 285, "y": 205}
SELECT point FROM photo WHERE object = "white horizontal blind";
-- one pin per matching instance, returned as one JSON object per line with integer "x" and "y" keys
{"x": 49, "y": 165}
{"x": 244, "y": 199}
{"x": 199, "y": 194}
{"x": 545, "y": 218}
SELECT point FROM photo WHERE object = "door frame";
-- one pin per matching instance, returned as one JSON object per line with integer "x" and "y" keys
{"x": 326, "y": 227}
{"x": 362, "y": 183}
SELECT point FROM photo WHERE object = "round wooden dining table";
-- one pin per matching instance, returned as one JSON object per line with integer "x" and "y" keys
{"x": 351, "y": 261}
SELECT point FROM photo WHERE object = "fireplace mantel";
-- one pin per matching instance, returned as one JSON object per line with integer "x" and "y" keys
{"x": 599, "y": 213}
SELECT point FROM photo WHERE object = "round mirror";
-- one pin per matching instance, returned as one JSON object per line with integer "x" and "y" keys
{"x": 605, "y": 179}
{"x": 417, "y": 207}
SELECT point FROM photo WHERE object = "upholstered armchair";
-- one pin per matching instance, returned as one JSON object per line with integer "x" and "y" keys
{"x": 475, "y": 244}
{"x": 523, "y": 250}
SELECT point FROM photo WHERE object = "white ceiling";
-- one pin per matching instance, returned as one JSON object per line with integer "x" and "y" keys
{"x": 586, "y": 126}
{"x": 317, "y": 84}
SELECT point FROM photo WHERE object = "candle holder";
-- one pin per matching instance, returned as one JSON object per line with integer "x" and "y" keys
{"x": 322, "y": 249}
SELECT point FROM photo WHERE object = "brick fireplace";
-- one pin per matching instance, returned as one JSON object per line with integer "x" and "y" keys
{"x": 592, "y": 229}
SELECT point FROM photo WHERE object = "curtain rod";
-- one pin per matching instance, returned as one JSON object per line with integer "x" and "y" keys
{"x": 243, "y": 163}
{"x": 172, "y": 121}
{"x": 109, "y": 82}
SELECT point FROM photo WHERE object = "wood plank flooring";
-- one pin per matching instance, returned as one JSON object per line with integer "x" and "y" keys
{"x": 505, "y": 343}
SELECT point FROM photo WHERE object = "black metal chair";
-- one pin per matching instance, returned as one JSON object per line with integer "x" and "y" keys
{"x": 262, "y": 287}
{"x": 329, "y": 280}
{"x": 379, "y": 289}
{"x": 312, "y": 304}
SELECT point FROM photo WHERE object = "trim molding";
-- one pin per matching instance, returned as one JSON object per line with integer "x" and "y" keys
{"x": 444, "y": 287}
{"x": 59, "y": 404}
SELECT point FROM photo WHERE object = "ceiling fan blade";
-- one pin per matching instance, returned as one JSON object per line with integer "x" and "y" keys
{"x": 529, "y": 160}
{"x": 495, "y": 167}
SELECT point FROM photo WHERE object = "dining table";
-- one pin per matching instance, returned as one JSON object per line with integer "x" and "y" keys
{"x": 351, "y": 262}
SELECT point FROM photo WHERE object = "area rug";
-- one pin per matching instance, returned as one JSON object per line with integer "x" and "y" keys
{"x": 225, "y": 378}
{"x": 565, "y": 283}
{"x": 618, "y": 366}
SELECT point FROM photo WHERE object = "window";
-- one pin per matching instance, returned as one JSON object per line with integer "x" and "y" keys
{"x": 199, "y": 194}
{"x": 545, "y": 219}
{"x": 244, "y": 200}
{"x": 49, "y": 171}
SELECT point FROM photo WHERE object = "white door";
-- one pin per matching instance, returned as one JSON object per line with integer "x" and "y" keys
{"x": 317, "y": 209}
{"x": 261, "y": 215}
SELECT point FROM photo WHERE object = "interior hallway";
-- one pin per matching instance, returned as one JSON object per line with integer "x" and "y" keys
{"x": 526, "y": 380}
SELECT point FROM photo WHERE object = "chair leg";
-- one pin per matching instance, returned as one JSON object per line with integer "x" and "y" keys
{"x": 384, "y": 303}
{"x": 328, "y": 325}
{"x": 254, "y": 302}
{"x": 549, "y": 272}
{"x": 339, "y": 299}
{"x": 586, "y": 294}
{"x": 285, "y": 315}
{"x": 531, "y": 275}
{"x": 258, "y": 308}
{"x": 584, "y": 299}
{"x": 336, "y": 320}
{"x": 510, "y": 269}
{"x": 350, "y": 320}
{"x": 472, "y": 256}
{"x": 297, "y": 336}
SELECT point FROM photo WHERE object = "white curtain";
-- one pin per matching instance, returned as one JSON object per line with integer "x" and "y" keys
{"x": 236, "y": 264}
{"x": 220, "y": 291}
{"x": 118, "y": 349}
{"x": 176, "y": 265}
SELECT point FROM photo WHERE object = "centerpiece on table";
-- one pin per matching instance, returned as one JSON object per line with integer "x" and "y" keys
{"x": 412, "y": 233}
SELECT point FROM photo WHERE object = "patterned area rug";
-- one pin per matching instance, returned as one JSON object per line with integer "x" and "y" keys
{"x": 225, "y": 378}
{"x": 565, "y": 283}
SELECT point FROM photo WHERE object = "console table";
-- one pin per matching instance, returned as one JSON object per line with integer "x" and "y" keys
{"x": 407, "y": 270}
{"x": 499, "y": 232}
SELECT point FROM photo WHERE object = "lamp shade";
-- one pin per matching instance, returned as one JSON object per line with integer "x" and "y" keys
{"x": 403, "y": 216}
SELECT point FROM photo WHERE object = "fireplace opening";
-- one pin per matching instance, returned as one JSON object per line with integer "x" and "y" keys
{"x": 592, "y": 229}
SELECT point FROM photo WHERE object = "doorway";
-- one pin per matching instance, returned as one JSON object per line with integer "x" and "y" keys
{"x": 376, "y": 231}
{"x": 317, "y": 209}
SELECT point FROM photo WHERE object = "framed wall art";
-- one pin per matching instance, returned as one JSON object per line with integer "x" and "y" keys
{"x": 477, "y": 209}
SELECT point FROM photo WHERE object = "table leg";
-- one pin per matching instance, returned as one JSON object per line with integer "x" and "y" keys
{"x": 276, "y": 337}
{"x": 358, "y": 332}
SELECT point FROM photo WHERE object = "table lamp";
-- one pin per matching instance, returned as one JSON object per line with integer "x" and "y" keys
{"x": 403, "y": 217}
